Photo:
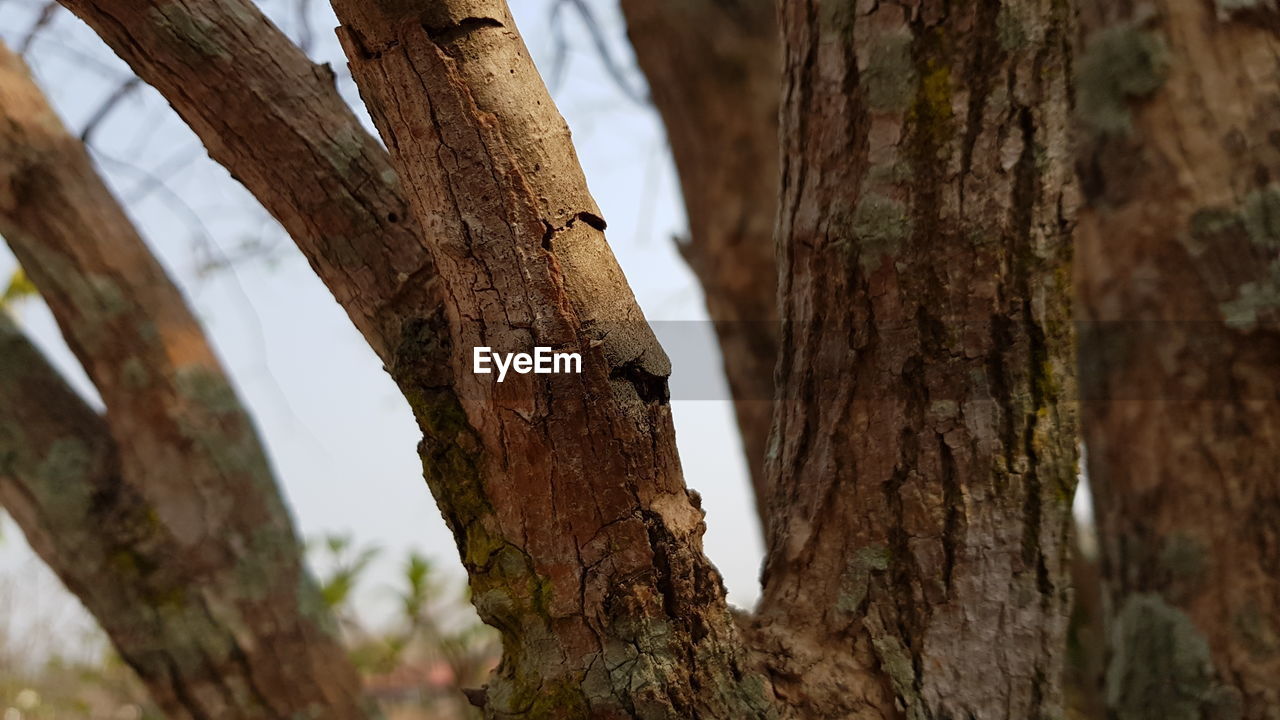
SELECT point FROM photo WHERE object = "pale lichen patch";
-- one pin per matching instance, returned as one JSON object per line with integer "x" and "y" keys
{"x": 1011, "y": 33}
{"x": 1120, "y": 64}
{"x": 1260, "y": 213}
{"x": 1252, "y": 300}
{"x": 1228, "y": 9}
{"x": 890, "y": 77}
{"x": 857, "y": 576}
{"x": 879, "y": 224}
{"x": 1161, "y": 666}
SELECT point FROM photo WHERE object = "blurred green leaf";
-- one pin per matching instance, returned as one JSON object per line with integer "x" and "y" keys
{"x": 19, "y": 287}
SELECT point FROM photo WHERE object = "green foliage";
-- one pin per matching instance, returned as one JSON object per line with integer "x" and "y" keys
{"x": 434, "y": 623}
{"x": 19, "y": 287}
{"x": 348, "y": 565}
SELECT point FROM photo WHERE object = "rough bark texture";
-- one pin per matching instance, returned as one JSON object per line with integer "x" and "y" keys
{"x": 924, "y": 449}
{"x": 275, "y": 120}
{"x": 564, "y": 491}
{"x": 166, "y": 521}
{"x": 714, "y": 72}
{"x": 1179, "y": 280}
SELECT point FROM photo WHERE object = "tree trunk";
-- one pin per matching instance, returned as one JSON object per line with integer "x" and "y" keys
{"x": 924, "y": 443}
{"x": 1179, "y": 282}
{"x": 165, "y": 521}
{"x": 714, "y": 70}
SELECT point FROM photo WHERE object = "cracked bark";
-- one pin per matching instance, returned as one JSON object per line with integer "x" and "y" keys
{"x": 713, "y": 70}
{"x": 923, "y": 450}
{"x": 1179, "y": 283}
{"x": 564, "y": 492}
{"x": 164, "y": 518}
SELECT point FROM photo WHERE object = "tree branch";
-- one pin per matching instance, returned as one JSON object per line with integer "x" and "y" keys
{"x": 719, "y": 102}
{"x": 281, "y": 129}
{"x": 203, "y": 589}
{"x": 563, "y": 491}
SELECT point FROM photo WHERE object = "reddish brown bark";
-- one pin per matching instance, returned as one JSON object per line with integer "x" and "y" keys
{"x": 714, "y": 74}
{"x": 1179, "y": 282}
{"x": 166, "y": 522}
{"x": 924, "y": 436}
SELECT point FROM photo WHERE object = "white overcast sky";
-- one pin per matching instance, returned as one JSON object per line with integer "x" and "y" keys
{"x": 341, "y": 437}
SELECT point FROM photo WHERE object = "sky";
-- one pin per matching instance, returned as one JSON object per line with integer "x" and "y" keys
{"x": 342, "y": 439}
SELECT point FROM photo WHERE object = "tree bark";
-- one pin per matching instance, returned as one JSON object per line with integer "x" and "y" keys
{"x": 924, "y": 446}
{"x": 564, "y": 492}
{"x": 649, "y": 620}
{"x": 714, "y": 70}
{"x": 165, "y": 520}
{"x": 1179, "y": 282}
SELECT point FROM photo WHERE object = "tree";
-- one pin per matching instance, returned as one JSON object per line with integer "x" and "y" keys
{"x": 924, "y": 231}
{"x": 923, "y": 461}
{"x": 1179, "y": 286}
{"x": 926, "y": 209}
{"x": 162, "y": 516}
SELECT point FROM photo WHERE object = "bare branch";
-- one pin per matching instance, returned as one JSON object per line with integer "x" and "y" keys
{"x": 177, "y": 601}
{"x": 42, "y": 21}
{"x": 104, "y": 110}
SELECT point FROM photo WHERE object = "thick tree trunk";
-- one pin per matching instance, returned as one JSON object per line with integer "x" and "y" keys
{"x": 924, "y": 446}
{"x": 170, "y": 528}
{"x": 714, "y": 72}
{"x": 1179, "y": 283}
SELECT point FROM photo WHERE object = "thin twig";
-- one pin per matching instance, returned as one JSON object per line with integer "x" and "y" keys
{"x": 45, "y": 17}
{"x": 560, "y": 46}
{"x": 611, "y": 65}
{"x": 305, "y": 35}
{"x": 104, "y": 110}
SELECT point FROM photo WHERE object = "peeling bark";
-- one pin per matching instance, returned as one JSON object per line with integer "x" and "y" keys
{"x": 165, "y": 519}
{"x": 924, "y": 447}
{"x": 714, "y": 71}
{"x": 1179, "y": 286}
